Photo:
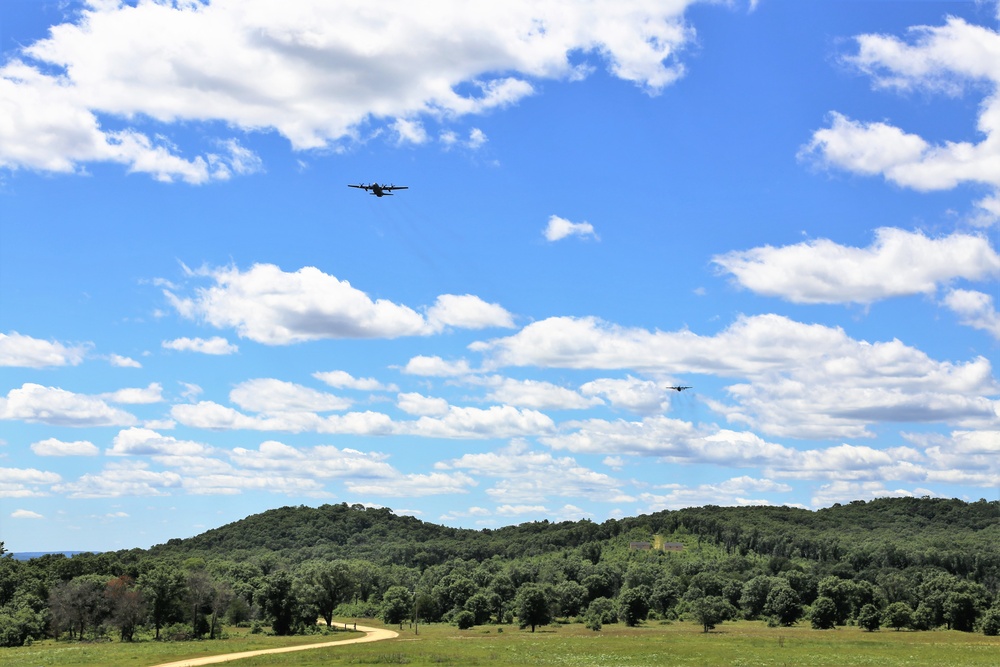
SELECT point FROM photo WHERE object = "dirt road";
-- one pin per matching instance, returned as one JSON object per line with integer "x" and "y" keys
{"x": 371, "y": 635}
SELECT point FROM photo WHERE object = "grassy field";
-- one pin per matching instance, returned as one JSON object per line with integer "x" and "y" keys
{"x": 742, "y": 644}
{"x": 50, "y": 653}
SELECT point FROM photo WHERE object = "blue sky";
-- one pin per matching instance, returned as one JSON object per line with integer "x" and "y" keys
{"x": 791, "y": 207}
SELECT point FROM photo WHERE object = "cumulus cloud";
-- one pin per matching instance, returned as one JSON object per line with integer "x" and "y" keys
{"x": 436, "y": 367}
{"x": 538, "y": 395}
{"x": 54, "y": 447}
{"x": 467, "y": 312}
{"x": 414, "y": 485}
{"x": 941, "y": 58}
{"x": 313, "y": 72}
{"x": 26, "y": 482}
{"x": 274, "y": 307}
{"x": 735, "y": 491}
{"x": 804, "y": 380}
{"x": 640, "y": 396}
{"x": 146, "y": 442}
{"x": 417, "y": 404}
{"x": 525, "y": 476}
{"x": 119, "y": 361}
{"x": 131, "y": 479}
{"x": 22, "y": 351}
{"x": 559, "y": 228}
{"x": 25, "y": 514}
{"x": 58, "y": 407}
{"x": 271, "y": 396}
{"x": 975, "y": 309}
{"x": 215, "y": 345}
{"x": 344, "y": 380}
{"x": 898, "y": 263}
{"x": 136, "y": 395}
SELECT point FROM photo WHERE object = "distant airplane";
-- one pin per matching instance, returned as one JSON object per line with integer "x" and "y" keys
{"x": 378, "y": 190}
{"x": 678, "y": 388}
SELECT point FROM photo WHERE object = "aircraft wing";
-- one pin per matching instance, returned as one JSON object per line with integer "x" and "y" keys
{"x": 363, "y": 187}
{"x": 395, "y": 187}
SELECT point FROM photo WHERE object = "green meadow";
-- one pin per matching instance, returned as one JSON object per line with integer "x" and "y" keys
{"x": 738, "y": 644}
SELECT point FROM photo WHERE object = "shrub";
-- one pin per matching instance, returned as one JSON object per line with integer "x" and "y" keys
{"x": 465, "y": 619}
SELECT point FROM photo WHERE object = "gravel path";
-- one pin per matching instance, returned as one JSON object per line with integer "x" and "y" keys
{"x": 371, "y": 635}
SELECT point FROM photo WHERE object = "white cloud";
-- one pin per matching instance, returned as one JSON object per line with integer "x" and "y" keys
{"x": 210, "y": 415}
{"x": 321, "y": 462}
{"x": 497, "y": 421}
{"x": 215, "y": 345}
{"x": 467, "y": 312}
{"x": 730, "y": 492}
{"x": 136, "y": 395}
{"x": 344, "y": 380}
{"x": 123, "y": 362}
{"x": 559, "y": 228}
{"x": 409, "y": 131}
{"x": 54, "y": 447}
{"x": 22, "y": 351}
{"x": 146, "y": 442}
{"x": 413, "y": 403}
{"x": 26, "y": 482}
{"x": 976, "y": 309}
{"x": 845, "y": 492}
{"x": 644, "y": 397}
{"x": 271, "y": 396}
{"x": 271, "y": 306}
{"x": 414, "y": 485}
{"x": 25, "y": 514}
{"x": 538, "y": 395}
{"x": 526, "y": 476}
{"x": 939, "y": 59}
{"x": 803, "y": 380}
{"x": 133, "y": 479}
{"x": 316, "y": 73}
{"x": 58, "y": 407}
{"x": 436, "y": 367}
{"x": 898, "y": 263}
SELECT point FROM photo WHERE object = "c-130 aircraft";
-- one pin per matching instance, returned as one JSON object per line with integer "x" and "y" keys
{"x": 378, "y": 190}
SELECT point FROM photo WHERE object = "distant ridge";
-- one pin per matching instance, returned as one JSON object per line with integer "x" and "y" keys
{"x": 28, "y": 555}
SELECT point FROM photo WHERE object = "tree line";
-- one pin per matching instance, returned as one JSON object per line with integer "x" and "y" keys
{"x": 908, "y": 563}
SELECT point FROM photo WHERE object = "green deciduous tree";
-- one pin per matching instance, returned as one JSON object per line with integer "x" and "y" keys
{"x": 869, "y": 618}
{"x": 633, "y": 605}
{"x": 783, "y": 604}
{"x": 897, "y": 615}
{"x": 532, "y": 605}
{"x": 823, "y": 614}
{"x": 396, "y": 605}
{"x": 711, "y": 610}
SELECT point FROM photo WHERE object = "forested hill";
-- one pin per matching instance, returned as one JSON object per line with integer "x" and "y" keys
{"x": 920, "y": 563}
{"x": 963, "y": 538}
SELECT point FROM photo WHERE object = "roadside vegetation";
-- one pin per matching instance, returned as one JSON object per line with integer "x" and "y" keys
{"x": 891, "y": 573}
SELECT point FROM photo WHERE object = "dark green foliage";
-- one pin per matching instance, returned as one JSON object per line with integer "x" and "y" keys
{"x": 990, "y": 623}
{"x": 466, "y": 619}
{"x": 823, "y": 615}
{"x": 633, "y": 605}
{"x": 869, "y": 619}
{"x": 782, "y": 604}
{"x": 896, "y": 616}
{"x": 941, "y": 558}
{"x": 532, "y": 606}
{"x": 396, "y": 605}
{"x": 711, "y": 610}
{"x": 281, "y": 604}
{"x": 603, "y": 610}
